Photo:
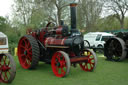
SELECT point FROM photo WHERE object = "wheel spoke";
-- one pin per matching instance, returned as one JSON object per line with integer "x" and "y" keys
{"x": 0, "y": 65}
{"x": 30, "y": 49}
{"x": 28, "y": 61}
{"x": 29, "y": 52}
{"x": 5, "y": 59}
{"x": 85, "y": 67}
{"x": 22, "y": 55}
{"x": 28, "y": 44}
{"x": 92, "y": 65}
{"x": 1, "y": 74}
{"x": 22, "y": 46}
{"x": 62, "y": 71}
{"x": 57, "y": 68}
{"x": 24, "y": 40}
{"x": 9, "y": 72}
{"x": 8, "y": 63}
{"x": 5, "y": 76}
{"x": 24, "y": 63}
{"x": 58, "y": 57}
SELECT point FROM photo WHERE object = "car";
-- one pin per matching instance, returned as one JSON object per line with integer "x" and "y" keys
{"x": 97, "y": 39}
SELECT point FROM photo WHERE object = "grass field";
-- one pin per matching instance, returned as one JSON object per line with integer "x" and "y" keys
{"x": 106, "y": 73}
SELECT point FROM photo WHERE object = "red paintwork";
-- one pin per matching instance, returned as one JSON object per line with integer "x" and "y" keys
{"x": 59, "y": 30}
{"x": 78, "y": 59}
{"x": 41, "y": 37}
{"x": 54, "y": 41}
{"x": 24, "y": 46}
{"x": 72, "y": 54}
{"x": 73, "y": 5}
{"x": 89, "y": 65}
{"x": 31, "y": 32}
{"x": 58, "y": 64}
{"x": 5, "y": 69}
{"x": 51, "y": 42}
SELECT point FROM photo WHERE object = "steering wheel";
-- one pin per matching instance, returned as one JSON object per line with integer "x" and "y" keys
{"x": 49, "y": 25}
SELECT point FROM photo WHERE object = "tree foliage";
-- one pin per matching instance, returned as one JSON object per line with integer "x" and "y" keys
{"x": 3, "y": 24}
{"x": 118, "y": 9}
{"x": 89, "y": 13}
{"x": 37, "y": 13}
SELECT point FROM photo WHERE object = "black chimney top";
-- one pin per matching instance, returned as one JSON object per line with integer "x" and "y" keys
{"x": 74, "y": 29}
{"x": 73, "y": 15}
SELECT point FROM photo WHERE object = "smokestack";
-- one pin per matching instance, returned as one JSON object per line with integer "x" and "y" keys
{"x": 73, "y": 15}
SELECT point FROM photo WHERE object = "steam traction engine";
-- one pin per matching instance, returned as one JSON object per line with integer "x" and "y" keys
{"x": 116, "y": 48}
{"x": 7, "y": 64}
{"x": 58, "y": 46}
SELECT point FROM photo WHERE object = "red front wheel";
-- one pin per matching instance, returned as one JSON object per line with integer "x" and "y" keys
{"x": 90, "y": 64}
{"x": 7, "y": 68}
{"x": 60, "y": 64}
{"x": 28, "y": 52}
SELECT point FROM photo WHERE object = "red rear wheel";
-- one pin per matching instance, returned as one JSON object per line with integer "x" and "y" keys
{"x": 90, "y": 65}
{"x": 28, "y": 52}
{"x": 7, "y": 68}
{"x": 60, "y": 64}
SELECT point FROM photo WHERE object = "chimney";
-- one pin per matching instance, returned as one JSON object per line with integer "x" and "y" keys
{"x": 73, "y": 15}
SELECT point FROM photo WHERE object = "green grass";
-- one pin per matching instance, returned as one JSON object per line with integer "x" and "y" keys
{"x": 106, "y": 73}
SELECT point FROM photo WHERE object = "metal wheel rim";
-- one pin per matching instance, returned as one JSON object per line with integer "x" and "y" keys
{"x": 90, "y": 65}
{"x": 60, "y": 64}
{"x": 8, "y": 68}
{"x": 115, "y": 49}
{"x": 25, "y": 53}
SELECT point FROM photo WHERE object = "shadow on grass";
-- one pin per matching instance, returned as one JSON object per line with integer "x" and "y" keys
{"x": 103, "y": 58}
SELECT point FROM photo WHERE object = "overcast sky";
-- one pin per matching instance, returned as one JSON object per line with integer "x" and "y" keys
{"x": 5, "y": 7}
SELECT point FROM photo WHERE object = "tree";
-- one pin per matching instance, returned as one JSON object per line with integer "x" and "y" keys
{"x": 89, "y": 12}
{"x": 29, "y": 12}
{"x": 118, "y": 8}
{"x": 36, "y": 12}
{"x": 108, "y": 23}
{"x": 3, "y": 24}
{"x": 58, "y": 10}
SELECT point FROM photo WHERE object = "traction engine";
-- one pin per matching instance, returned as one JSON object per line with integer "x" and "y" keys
{"x": 7, "y": 64}
{"x": 116, "y": 48}
{"x": 59, "y": 46}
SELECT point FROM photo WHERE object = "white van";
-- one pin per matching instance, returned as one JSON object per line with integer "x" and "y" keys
{"x": 3, "y": 43}
{"x": 97, "y": 39}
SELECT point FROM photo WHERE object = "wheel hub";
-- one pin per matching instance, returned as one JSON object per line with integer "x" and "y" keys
{"x": 25, "y": 52}
{"x": 58, "y": 64}
{"x": 5, "y": 68}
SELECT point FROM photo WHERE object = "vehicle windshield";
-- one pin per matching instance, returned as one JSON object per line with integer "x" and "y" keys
{"x": 98, "y": 37}
{"x": 2, "y": 41}
{"x": 105, "y": 38}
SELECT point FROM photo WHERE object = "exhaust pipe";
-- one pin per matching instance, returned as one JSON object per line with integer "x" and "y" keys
{"x": 73, "y": 15}
{"x": 73, "y": 18}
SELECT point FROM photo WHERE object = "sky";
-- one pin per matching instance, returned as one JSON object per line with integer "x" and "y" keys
{"x": 5, "y": 7}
